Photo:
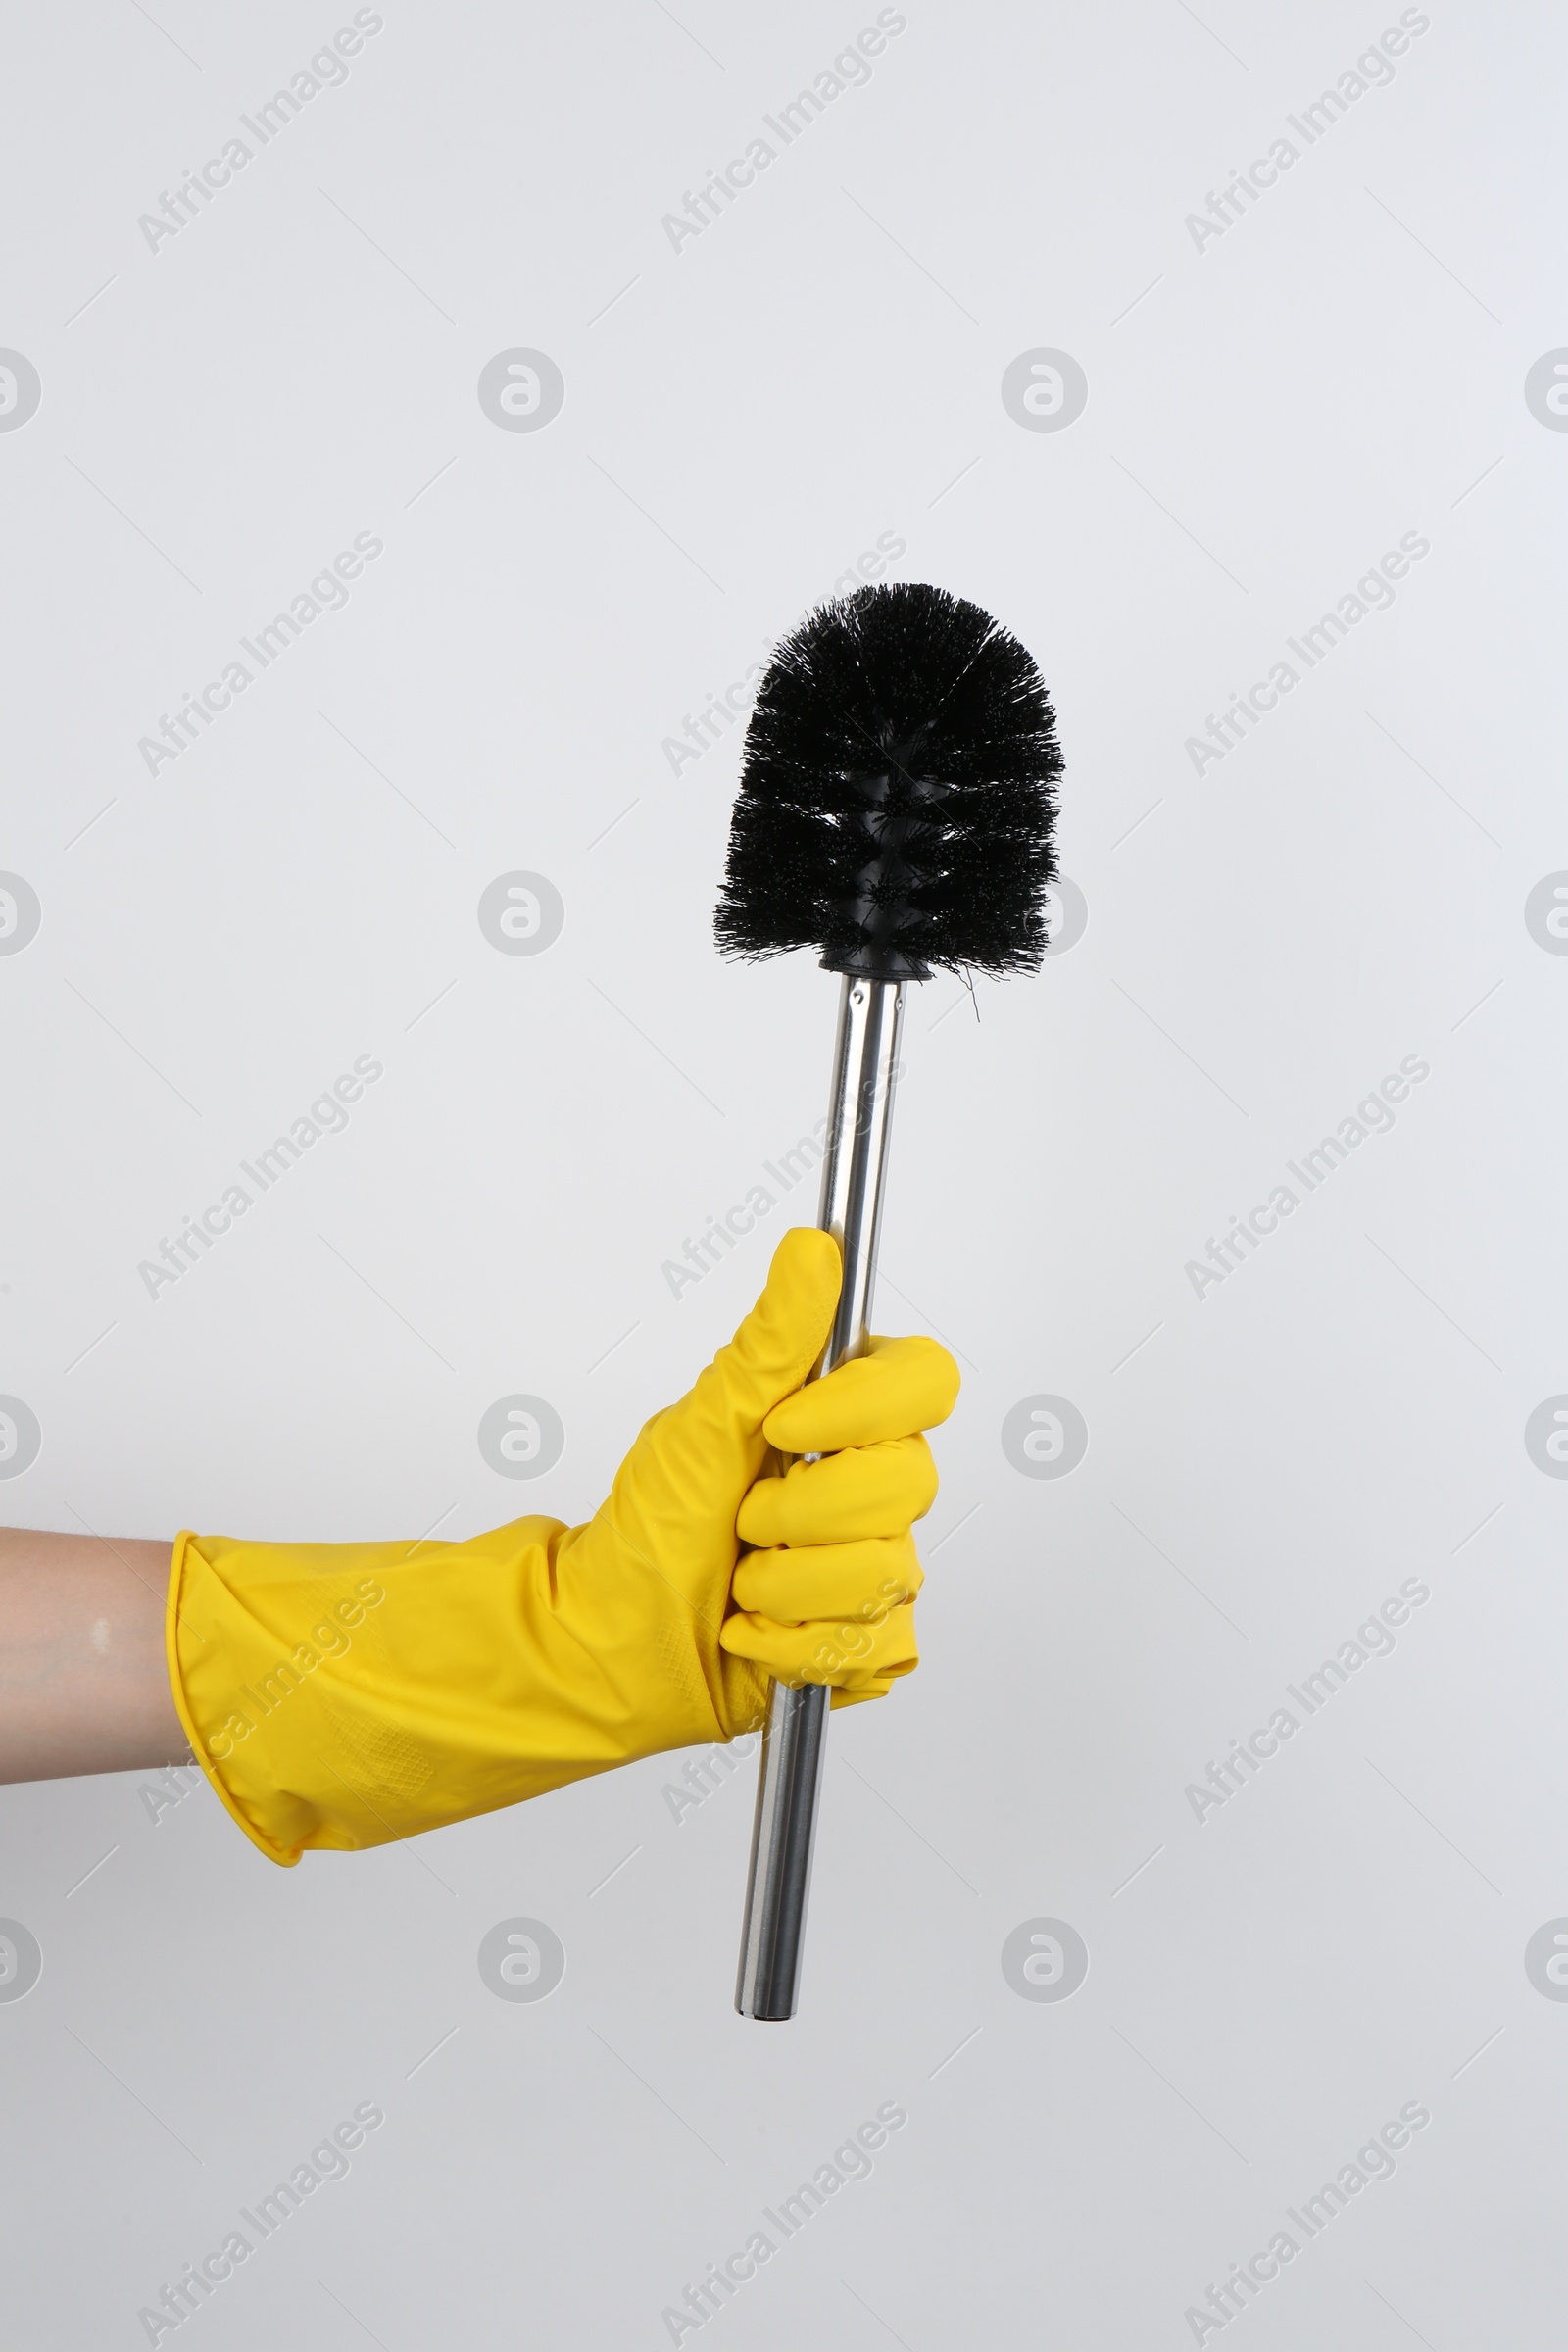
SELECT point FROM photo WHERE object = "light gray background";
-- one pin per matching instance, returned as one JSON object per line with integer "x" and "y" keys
{"x": 742, "y": 419}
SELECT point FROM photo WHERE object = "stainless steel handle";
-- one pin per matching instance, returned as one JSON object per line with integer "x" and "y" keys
{"x": 854, "y": 1166}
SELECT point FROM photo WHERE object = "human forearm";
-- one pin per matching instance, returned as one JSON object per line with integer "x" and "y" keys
{"x": 83, "y": 1679}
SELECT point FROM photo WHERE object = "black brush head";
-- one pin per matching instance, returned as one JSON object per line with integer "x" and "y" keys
{"x": 896, "y": 806}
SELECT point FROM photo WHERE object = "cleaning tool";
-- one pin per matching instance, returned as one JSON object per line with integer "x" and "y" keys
{"x": 339, "y": 1696}
{"x": 895, "y": 812}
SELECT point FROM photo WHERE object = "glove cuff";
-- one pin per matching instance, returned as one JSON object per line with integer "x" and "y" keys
{"x": 201, "y": 1709}
{"x": 341, "y": 1695}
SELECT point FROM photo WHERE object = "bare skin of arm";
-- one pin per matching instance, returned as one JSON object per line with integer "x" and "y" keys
{"x": 83, "y": 1681}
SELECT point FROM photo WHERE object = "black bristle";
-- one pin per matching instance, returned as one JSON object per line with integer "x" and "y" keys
{"x": 896, "y": 808}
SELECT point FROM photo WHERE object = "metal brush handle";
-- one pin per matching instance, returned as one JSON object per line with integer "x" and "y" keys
{"x": 855, "y": 1170}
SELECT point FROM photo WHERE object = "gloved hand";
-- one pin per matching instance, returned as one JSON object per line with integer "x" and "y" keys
{"x": 341, "y": 1694}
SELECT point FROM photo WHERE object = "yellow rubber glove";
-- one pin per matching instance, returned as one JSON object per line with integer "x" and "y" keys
{"x": 342, "y": 1694}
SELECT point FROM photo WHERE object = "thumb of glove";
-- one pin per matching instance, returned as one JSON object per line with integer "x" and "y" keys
{"x": 677, "y": 1494}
